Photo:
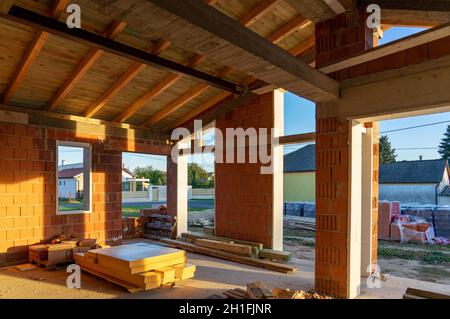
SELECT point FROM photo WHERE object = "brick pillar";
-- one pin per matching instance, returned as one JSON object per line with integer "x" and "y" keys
{"x": 248, "y": 204}
{"x": 337, "y": 214}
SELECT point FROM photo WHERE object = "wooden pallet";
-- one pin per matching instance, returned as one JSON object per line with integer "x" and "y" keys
{"x": 52, "y": 266}
{"x": 129, "y": 287}
{"x": 160, "y": 226}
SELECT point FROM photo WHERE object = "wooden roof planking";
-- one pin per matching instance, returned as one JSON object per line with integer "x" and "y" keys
{"x": 52, "y": 74}
{"x": 72, "y": 77}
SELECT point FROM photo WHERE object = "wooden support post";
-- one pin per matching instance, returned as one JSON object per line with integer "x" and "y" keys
{"x": 366, "y": 205}
{"x": 277, "y": 164}
{"x": 354, "y": 214}
{"x": 177, "y": 190}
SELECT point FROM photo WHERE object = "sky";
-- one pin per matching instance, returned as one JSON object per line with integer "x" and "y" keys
{"x": 299, "y": 115}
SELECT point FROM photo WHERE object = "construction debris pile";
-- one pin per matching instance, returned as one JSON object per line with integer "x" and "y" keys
{"x": 138, "y": 266}
{"x": 258, "y": 290}
{"x": 241, "y": 251}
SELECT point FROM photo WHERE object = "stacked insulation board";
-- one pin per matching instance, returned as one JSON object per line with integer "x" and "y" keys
{"x": 139, "y": 266}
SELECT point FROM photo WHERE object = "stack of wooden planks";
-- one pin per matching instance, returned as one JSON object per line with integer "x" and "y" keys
{"x": 301, "y": 223}
{"x": 245, "y": 252}
{"x": 138, "y": 266}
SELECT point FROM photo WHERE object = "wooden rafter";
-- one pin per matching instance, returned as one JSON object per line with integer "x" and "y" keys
{"x": 94, "y": 54}
{"x": 277, "y": 36}
{"x": 155, "y": 91}
{"x": 257, "y": 12}
{"x": 303, "y": 47}
{"x": 185, "y": 98}
{"x": 248, "y": 19}
{"x": 126, "y": 78}
{"x": 295, "y": 24}
{"x": 208, "y": 104}
{"x": 32, "y": 53}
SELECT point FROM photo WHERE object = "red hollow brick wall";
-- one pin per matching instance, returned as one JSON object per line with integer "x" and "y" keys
{"x": 339, "y": 38}
{"x": 332, "y": 202}
{"x": 28, "y": 188}
{"x": 244, "y": 207}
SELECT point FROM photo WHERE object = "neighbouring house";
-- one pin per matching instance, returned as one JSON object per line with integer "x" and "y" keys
{"x": 71, "y": 181}
{"x": 300, "y": 175}
{"x": 421, "y": 182}
{"x": 425, "y": 182}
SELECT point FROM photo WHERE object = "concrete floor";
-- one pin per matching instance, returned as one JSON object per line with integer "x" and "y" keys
{"x": 213, "y": 276}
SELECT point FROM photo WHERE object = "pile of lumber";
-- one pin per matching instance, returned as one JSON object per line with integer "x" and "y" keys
{"x": 160, "y": 226}
{"x": 138, "y": 266}
{"x": 257, "y": 290}
{"x": 301, "y": 223}
{"x": 241, "y": 251}
{"x": 152, "y": 224}
{"x": 132, "y": 227}
{"x": 51, "y": 256}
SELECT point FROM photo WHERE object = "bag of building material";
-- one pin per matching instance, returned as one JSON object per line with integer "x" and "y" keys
{"x": 294, "y": 209}
{"x": 309, "y": 210}
{"x": 412, "y": 229}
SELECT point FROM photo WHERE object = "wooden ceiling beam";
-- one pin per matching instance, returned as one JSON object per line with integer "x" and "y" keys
{"x": 32, "y": 52}
{"x": 94, "y": 54}
{"x": 416, "y": 5}
{"x": 208, "y": 104}
{"x": 295, "y": 24}
{"x": 282, "y": 69}
{"x": 303, "y": 47}
{"x": 246, "y": 20}
{"x": 201, "y": 108}
{"x": 156, "y": 91}
{"x": 409, "y": 42}
{"x": 32, "y": 19}
{"x": 182, "y": 100}
{"x": 257, "y": 12}
{"x": 341, "y": 6}
{"x": 123, "y": 81}
{"x": 410, "y": 18}
{"x": 314, "y": 10}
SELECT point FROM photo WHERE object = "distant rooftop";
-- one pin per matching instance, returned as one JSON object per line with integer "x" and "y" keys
{"x": 425, "y": 171}
{"x": 302, "y": 160}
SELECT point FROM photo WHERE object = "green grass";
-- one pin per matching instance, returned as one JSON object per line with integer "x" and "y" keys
{"x": 433, "y": 272}
{"x": 65, "y": 206}
{"x": 430, "y": 257}
{"x": 299, "y": 241}
{"x": 133, "y": 211}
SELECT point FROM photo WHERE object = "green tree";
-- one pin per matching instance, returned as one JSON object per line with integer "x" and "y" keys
{"x": 199, "y": 177}
{"x": 387, "y": 153}
{"x": 444, "y": 147}
{"x": 156, "y": 176}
